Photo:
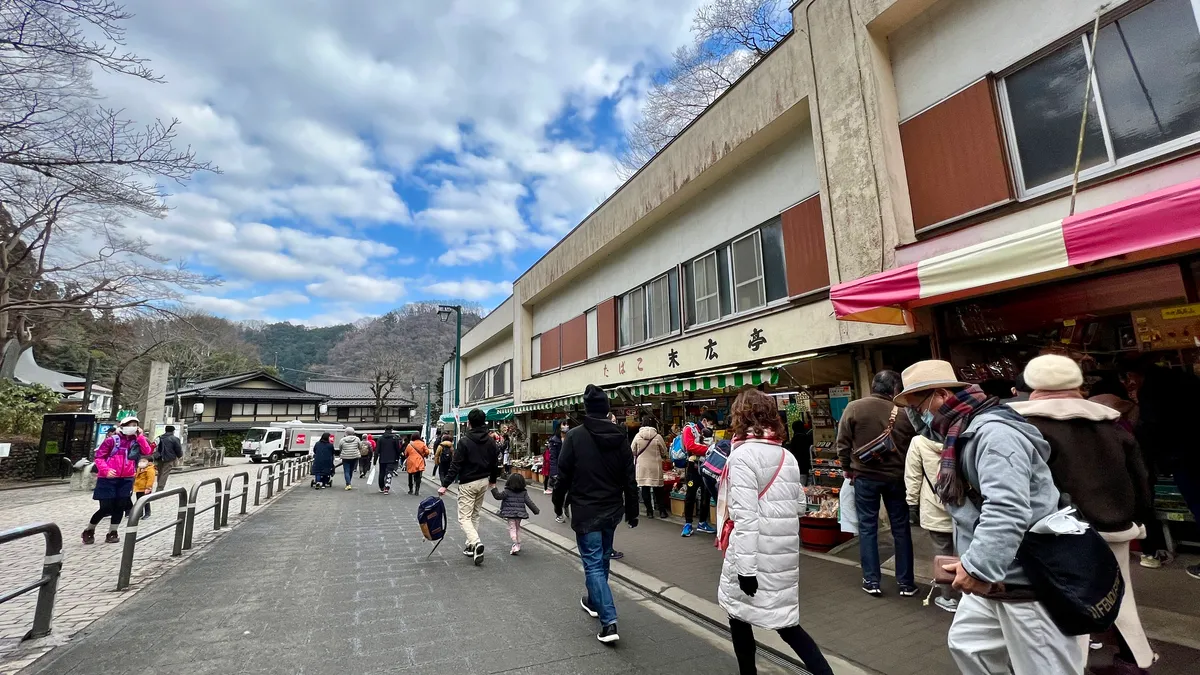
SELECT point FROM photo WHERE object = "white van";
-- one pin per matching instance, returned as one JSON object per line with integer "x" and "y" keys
{"x": 287, "y": 439}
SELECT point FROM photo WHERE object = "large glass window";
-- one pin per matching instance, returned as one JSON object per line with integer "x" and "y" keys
{"x": 749, "y": 287}
{"x": 633, "y": 317}
{"x": 1146, "y": 97}
{"x": 774, "y": 266}
{"x": 705, "y": 290}
{"x": 658, "y": 307}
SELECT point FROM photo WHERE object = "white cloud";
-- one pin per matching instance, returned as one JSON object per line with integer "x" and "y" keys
{"x": 248, "y": 308}
{"x": 359, "y": 288}
{"x": 469, "y": 289}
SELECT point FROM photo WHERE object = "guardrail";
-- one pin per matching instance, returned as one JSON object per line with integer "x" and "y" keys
{"x": 281, "y": 473}
{"x": 47, "y": 585}
{"x": 131, "y": 530}
{"x": 192, "y": 512}
{"x": 245, "y": 476}
{"x": 270, "y": 469}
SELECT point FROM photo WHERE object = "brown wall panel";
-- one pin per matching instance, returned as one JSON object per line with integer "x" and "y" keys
{"x": 574, "y": 341}
{"x": 804, "y": 247}
{"x": 606, "y": 327}
{"x": 551, "y": 349}
{"x": 954, "y": 157}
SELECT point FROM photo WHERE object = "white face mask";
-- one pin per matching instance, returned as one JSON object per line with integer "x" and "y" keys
{"x": 129, "y": 430}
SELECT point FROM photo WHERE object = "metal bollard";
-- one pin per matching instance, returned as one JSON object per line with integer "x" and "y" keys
{"x": 47, "y": 585}
{"x": 245, "y": 476}
{"x": 270, "y": 468}
{"x": 131, "y": 531}
{"x": 192, "y": 512}
{"x": 279, "y": 473}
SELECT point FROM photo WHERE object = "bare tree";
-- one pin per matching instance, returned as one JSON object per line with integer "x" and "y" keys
{"x": 71, "y": 171}
{"x": 730, "y": 36}
{"x": 384, "y": 370}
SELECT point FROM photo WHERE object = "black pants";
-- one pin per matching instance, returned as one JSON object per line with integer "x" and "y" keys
{"x": 654, "y": 497}
{"x": 146, "y": 508}
{"x": 697, "y": 493}
{"x": 414, "y": 482}
{"x": 385, "y": 475}
{"x": 113, "y": 508}
{"x": 795, "y": 636}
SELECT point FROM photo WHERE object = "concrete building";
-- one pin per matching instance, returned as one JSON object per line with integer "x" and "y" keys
{"x": 486, "y": 368}
{"x": 878, "y": 136}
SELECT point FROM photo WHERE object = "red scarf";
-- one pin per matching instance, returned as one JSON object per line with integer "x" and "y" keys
{"x": 767, "y": 436}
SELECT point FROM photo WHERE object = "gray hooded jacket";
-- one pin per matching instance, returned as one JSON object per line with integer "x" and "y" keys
{"x": 1004, "y": 458}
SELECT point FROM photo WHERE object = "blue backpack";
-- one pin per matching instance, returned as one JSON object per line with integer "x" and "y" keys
{"x": 678, "y": 454}
{"x": 715, "y": 458}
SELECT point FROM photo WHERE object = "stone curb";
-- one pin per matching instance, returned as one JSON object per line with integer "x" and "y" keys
{"x": 708, "y": 613}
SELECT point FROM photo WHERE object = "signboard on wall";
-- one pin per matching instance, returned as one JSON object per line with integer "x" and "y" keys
{"x": 1167, "y": 327}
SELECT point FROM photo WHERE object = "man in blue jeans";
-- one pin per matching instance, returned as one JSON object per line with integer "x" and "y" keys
{"x": 596, "y": 470}
{"x": 864, "y": 422}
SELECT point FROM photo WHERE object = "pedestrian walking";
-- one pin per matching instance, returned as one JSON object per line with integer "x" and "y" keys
{"x": 414, "y": 463}
{"x": 350, "y": 449}
{"x": 514, "y": 499}
{"x": 696, "y": 497}
{"x": 475, "y": 469}
{"x": 167, "y": 453}
{"x": 368, "y": 456}
{"x": 763, "y": 500}
{"x": 1100, "y": 465}
{"x": 881, "y": 478}
{"x": 143, "y": 482}
{"x": 649, "y": 452}
{"x": 387, "y": 454}
{"x": 322, "y": 465}
{"x": 443, "y": 456}
{"x": 920, "y": 469}
{"x": 505, "y": 449}
{"x": 554, "y": 449}
{"x": 116, "y": 466}
{"x": 596, "y": 468}
{"x": 800, "y": 446}
{"x": 995, "y": 484}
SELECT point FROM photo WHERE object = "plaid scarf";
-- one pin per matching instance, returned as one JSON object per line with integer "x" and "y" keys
{"x": 950, "y": 421}
{"x": 766, "y": 436}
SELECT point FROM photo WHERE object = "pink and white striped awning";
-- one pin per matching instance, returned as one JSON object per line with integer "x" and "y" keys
{"x": 1143, "y": 224}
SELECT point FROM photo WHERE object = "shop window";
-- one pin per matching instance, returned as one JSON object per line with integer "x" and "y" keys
{"x": 703, "y": 301}
{"x": 633, "y": 312}
{"x": 295, "y": 409}
{"x": 242, "y": 409}
{"x": 310, "y": 409}
{"x": 593, "y": 334}
{"x": 749, "y": 287}
{"x": 1146, "y": 98}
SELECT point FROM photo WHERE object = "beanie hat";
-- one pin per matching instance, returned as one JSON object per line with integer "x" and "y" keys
{"x": 1052, "y": 372}
{"x": 595, "y": 401}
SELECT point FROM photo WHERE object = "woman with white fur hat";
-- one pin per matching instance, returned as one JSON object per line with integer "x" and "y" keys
{"x": 1098, "y": 463}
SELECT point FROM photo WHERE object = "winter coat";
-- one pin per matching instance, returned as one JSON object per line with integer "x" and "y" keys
{"x": 649, "y": 451}
{"x": 596, "y": 469}
{"x": 322, "y": 459}
{"x": 920, "y": 475}
{"x": 512, "y": 504}
{"x": 766, "y": 536}
{"x": 350, "y": 447}
{"x": 169, "y": 448}
{"x": 1094, "y": 461}
{"x": 474, "y": 458}
{"x": 414, "y": 456}
{"x": 144, "y": 481}
{"x": 113, "y": 455}
{"x": 556, "y": 444}
{"x": 444, "y": 454}
{"x": 862, "y": 422}
{"x": 1003, "y": 458}
{"x": 387, "y": 449}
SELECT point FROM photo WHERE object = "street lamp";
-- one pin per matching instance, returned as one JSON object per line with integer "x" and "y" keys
{"x": 444, "y": 314}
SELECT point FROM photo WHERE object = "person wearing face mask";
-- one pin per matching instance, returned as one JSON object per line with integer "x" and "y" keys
{"x": 995, "y": 483}
{"x": 116, "y": 466}
{"x": 561, "y": 427}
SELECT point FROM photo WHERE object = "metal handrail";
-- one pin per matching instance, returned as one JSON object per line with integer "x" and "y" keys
{"x": 47, "y": 585}
{"x": 192, "y": 512}
{"x": 245, "y": 475}
{"x": 280, "y": 473}
{"x": 258, "y": 483}
{"x": 131, "y": 533}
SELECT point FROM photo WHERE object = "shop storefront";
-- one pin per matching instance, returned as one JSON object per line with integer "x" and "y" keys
{"x": 1114, "y": 288}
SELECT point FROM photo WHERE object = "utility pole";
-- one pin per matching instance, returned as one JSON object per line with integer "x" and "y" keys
{"x": 444, "y": 314}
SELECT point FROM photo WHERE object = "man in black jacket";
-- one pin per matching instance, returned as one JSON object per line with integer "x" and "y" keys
{"x": 168, "y": 451}
{"x": 387, "y": 453}
{"x": 596, "y": 469}
{"x": 475, "y": 468}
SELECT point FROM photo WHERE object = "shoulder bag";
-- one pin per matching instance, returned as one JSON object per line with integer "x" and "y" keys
{"x": 880, "y": 445}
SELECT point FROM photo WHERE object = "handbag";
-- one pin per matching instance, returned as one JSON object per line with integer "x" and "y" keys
{"x": 722, "y": 542}
{"x": 878, "y": 446}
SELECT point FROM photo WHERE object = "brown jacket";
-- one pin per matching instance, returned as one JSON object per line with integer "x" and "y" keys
{"x": 862, "y": 422}
{"x": 1098, "y": 464}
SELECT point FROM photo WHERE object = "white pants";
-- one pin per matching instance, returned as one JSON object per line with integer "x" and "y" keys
{"x": 988, "y": 635}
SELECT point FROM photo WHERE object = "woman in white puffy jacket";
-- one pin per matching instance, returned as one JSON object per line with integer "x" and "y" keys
{"x": 761, "y": 493}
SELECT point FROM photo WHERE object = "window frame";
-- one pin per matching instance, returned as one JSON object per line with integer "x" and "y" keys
{"x": 716, "y": 292}
{"x": 1113, "y": 163}
{"x": 761, "y": 279}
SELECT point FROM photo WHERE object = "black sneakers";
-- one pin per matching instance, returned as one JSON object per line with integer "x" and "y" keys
{"x": 478, "y": 554}
{"x": 871, "y": 588}
{"x": 908, "y": 591}
{"x": 608, "y": 634}
{"x": 469, "y": 550}
{"x": 591, "y": 612}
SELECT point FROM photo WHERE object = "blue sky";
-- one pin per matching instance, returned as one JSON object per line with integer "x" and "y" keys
{"x": 377, "y": 152}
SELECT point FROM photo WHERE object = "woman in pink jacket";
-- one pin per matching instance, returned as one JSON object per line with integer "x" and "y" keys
{"x": 116, "y": 466}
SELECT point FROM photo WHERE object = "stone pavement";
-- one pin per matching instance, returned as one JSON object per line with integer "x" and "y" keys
{"x": 331, "y": 582}
{"x": 86, "y": 589}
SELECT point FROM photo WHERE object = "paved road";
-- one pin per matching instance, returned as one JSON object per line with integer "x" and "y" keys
{"x": 337, "y": 582}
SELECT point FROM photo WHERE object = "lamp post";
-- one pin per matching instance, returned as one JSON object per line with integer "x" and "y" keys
{"x": 444, "y": 313}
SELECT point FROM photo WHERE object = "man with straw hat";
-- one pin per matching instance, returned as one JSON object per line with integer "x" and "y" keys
{"x": 993, "y": 453}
